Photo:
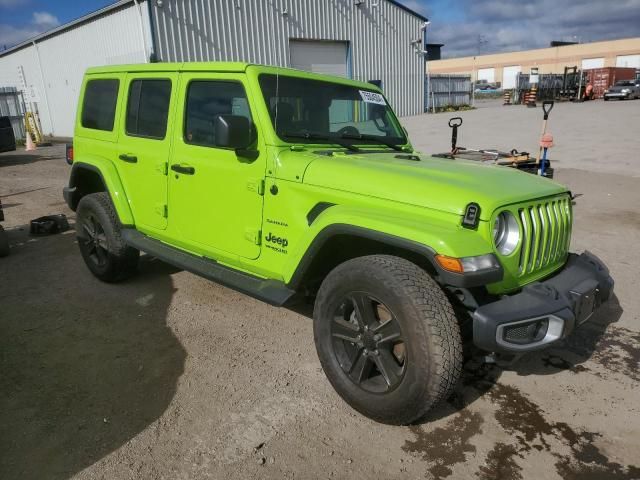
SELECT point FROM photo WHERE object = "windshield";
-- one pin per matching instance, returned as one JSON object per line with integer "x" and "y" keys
{"x": 324, "y": 112}
{"x": 624, "y": 83}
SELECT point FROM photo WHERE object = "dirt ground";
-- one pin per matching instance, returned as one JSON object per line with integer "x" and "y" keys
{"x": 171, "y": 376}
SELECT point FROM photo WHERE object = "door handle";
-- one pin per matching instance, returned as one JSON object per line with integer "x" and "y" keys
{"x": 128, "y": 158}
{"x": 186, "y": 170}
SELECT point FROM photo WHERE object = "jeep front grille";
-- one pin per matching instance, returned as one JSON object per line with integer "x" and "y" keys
{"x": 546, "y": 227}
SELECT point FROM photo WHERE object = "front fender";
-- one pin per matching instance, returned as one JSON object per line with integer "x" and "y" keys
{"x": 111, "y": 180}
{"x": 428, "y": 234}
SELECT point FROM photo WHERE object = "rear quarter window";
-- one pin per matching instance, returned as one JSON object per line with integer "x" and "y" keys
{"x": 99, "y": 104}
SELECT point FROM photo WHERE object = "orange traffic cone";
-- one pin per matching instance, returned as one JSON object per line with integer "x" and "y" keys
{"x": 30, "y": 145}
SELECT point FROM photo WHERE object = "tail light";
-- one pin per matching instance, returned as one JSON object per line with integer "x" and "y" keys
{"x": 69, "y": 153}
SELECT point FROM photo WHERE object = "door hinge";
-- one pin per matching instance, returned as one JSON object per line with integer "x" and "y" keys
{"x": 252, "y": 235}
{"x": 163, "y": 168}
{"x": 256, "y": 186}
{"x": 162, "y": 209}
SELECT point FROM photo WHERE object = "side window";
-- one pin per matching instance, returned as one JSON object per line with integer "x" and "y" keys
{"x": 206, "y": 100}
{"x": 148, "y": 108}
{"x": 99, "y": 104}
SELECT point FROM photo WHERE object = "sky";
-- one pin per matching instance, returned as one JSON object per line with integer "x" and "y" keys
{"x": 466, "y": 27}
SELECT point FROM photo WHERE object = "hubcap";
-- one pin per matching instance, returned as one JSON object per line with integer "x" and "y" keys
{"x": 368, "y": 343}
{"x": 94, "y": 240}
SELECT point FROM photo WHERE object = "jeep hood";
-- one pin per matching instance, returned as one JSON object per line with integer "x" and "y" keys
{"x": 436, "y": 183}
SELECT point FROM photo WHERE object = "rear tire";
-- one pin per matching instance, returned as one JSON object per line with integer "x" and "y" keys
{"x": 387, "y": 338}
{"x": 4, "y": 243}
{"x": 100, "y": 239}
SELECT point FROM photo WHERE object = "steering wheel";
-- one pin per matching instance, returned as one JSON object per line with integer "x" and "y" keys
{"x": 349, "y": 130}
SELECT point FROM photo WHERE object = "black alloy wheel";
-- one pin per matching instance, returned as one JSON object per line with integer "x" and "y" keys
{"x": 367, "y": 342}
{"x": 94, "y": 239}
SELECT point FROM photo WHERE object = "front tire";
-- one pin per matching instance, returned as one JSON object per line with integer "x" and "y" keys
{"x": 387, "y": 338}
{"x": 100, "y": 240}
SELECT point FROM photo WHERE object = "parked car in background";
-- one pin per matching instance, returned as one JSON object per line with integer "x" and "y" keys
{"x": 7, "y": 138}
{"x": 623, "y": 90}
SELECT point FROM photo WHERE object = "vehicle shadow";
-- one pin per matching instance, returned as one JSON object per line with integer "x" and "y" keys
{"x": 13, "y": 159}
{"x": 86, "y": 366}
{"x": 479, "y": 377}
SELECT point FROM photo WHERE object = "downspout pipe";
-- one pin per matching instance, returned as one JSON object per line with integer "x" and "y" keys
{"x": 144, "y": 37}
{"x": 44, "y": 88}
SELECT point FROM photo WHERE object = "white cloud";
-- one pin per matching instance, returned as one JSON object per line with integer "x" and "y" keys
{"x": 45, "y": 20}
{"x": 40, "y": 22}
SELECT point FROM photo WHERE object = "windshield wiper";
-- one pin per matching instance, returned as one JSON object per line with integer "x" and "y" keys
{"x": 319, "y": 136}
{"x": 373, "y": 138}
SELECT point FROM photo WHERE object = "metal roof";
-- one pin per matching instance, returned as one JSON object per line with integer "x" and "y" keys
{"x": 122, "y": 3}
{"x": 78, "y": 21}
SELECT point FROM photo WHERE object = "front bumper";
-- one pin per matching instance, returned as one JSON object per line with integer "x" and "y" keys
{"x": 616, "y": 95}
{"x": 544, "y": 312}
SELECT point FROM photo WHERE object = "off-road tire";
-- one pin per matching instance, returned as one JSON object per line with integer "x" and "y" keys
{"x": 119, "y": 260}
{"x": 430, "y": 332}
{"x": 4, "y": 243}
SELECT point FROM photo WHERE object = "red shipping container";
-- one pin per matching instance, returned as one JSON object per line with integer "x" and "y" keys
{"x": 603, "y": 78}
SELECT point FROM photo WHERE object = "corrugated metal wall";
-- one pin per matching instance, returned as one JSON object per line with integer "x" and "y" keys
{"x": 259, "y": 31}
{"x": 55, "y": 65}
{"x": 448, "y": 90}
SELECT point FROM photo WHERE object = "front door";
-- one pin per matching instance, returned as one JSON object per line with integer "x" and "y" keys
{"x": 144, "y": 145}
{"x": 215, "y": 195}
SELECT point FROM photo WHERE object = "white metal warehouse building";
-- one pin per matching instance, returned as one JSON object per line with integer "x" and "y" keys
{"x": 370, "y": 40}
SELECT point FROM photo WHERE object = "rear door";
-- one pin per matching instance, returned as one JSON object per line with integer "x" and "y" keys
{"x": 144, "y": 145}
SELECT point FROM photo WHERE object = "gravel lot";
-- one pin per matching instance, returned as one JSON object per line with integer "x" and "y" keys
{"x": 171, "y": 376}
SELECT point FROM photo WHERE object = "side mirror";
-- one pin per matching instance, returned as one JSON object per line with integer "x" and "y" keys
{"x": 233, "y": 131}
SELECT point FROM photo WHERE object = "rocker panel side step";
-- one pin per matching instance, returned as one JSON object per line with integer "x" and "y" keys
{"x": 269, "y": 291}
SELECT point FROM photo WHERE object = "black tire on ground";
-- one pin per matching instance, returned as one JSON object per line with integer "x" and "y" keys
{"x": 100, "y": 240}
{"x": 606, "y": 99}
{"x": 4, "y": 243}
{"x": 390, "y": 372}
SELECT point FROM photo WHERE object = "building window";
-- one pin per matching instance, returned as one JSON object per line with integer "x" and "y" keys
{"x": 206, "y": 101}
{"x": 99, "y": 104}
{"x": 148, "y": 108}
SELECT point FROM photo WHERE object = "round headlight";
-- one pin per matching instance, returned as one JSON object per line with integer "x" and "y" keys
{"x": 506, "y": 233}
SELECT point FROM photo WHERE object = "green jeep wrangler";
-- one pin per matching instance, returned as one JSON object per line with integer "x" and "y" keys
{"x": 288, "y": 185}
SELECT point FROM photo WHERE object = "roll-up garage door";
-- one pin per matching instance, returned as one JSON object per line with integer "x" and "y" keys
{"x": 509, "y": 76}
{"x": 488, "y": 74}
{"x": 320, "y": 57}
{"x": 588, "y": 63}
{"x": 628, "y": 61}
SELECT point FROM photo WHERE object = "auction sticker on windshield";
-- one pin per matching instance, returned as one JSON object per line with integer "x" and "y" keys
{"x": 372, "y": 97}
